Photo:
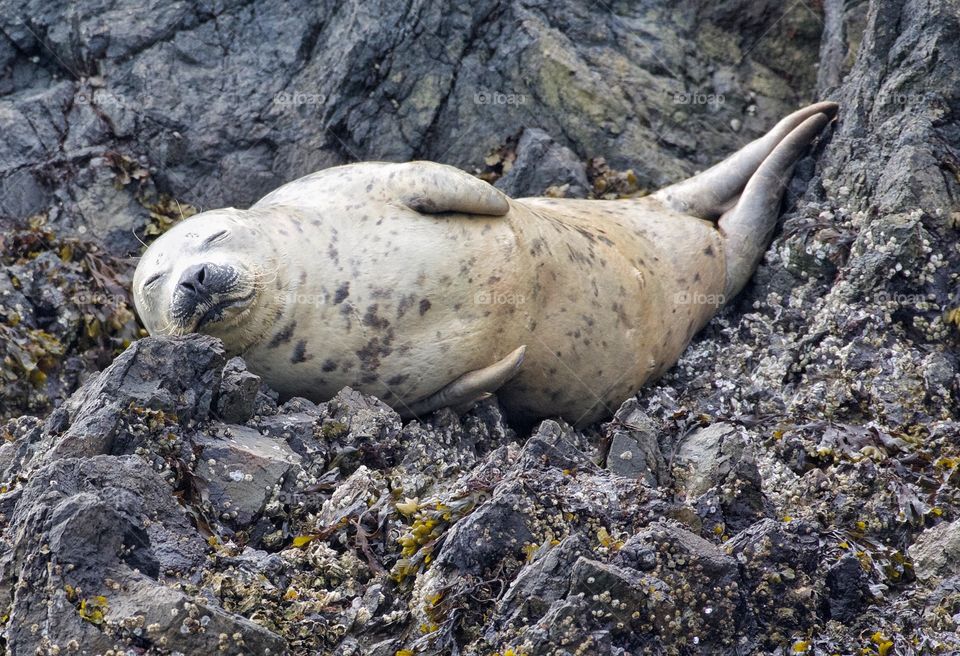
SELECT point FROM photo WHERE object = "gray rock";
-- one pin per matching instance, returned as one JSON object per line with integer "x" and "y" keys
{"x": 97, "y": 537}
{"x": 542, "y": 163}
{"x": 848, "y": 587}
{"x": 936, "y": 551}
{"x": 835, "y": 363}
{"x": 241, "y": 469}
{"x": 716, "y": 468}
{"x": 706, "y": 458}
{"x": 238, "y": 392}
{"x": 178, "y": 376}
{"x": 634, "y": 449}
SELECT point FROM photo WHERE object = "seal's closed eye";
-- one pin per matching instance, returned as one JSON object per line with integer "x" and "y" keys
{"x": 154, "y": 278}
{"x": 215, "y": 237}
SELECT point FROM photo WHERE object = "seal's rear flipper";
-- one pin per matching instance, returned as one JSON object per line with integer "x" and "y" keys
{"x": 469, "y": 388}
{"x": 432, "y": 188}
{"x": 748, "y": 226}
{"x": 709, "y": 194}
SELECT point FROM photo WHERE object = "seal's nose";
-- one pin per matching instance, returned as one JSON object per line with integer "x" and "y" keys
{"x": 196, "y": 280}
{"x": 201, "y": 286}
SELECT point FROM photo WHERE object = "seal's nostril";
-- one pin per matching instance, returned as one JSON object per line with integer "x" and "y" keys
{"x": 195, "y": 279}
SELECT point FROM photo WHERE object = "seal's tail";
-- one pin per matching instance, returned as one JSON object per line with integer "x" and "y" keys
{"x": 709, "y": 194}
{"x": 748, "y": 226}
{"x": 744, "y": 190}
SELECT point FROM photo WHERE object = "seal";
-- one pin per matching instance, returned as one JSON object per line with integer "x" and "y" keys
{"x": 427, "y": 287}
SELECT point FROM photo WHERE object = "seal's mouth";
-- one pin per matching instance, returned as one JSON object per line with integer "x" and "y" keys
{"x": 218, "y": 312}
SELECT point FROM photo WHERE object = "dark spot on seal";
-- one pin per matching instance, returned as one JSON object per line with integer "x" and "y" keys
{"x": 342, "y": 292}
{"x": 399, "y": 379}
{"x": 370, "y": 187}
{"x": 303, "y": 277}
{"x": 621, "y": 314}
{"x": 424, "y": 306}
{"x": 283, "y": 336}
{"x": 300, "y": 352}
{"x": 696, "y": 277}
{"x": 406, "y": 302}
{"x": 373, "y": 350}
{"x": 708, "y": 251}
{"x": 328, "y": 365}
{"x": 370, "y": 318}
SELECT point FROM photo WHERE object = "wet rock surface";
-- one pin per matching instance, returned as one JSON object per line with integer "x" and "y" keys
{"x": 789, "y": 487}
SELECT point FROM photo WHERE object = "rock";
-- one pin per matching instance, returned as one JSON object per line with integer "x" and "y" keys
{"x": 175, "y": 376}
{"x": 545, "y": 581}
{"x": 542, "y": 163}
{"x": 778, "y": 564}
{"x": 238, "y": 392}
{"x": 936, "y": 551}
{"x": 828, "y": 387}
{"x": 98, "y": 537}
{"x": 716, "y": 465}
{"x": 849, "y": 589}
{"x": 634, "y": 449}
{"x": 241, "y": 469}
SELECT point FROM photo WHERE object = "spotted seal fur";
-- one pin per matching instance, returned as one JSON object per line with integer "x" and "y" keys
{"x": 427, "y": 287}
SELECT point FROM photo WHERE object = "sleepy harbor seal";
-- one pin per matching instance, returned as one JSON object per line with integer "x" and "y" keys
{"x": 427, "y": 287}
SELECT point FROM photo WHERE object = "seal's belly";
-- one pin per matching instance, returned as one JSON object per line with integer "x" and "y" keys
{"x": 389, "y": 302}
{"x": 398, "y": 304}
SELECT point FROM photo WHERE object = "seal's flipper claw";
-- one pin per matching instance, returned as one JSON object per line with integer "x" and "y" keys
{"x": 469, "y": 388}
{"x": 431, "y": 188}
{"x": 709, "y": 194}
{"x": 748, "y": 226}
{"x": 464, "y": 408}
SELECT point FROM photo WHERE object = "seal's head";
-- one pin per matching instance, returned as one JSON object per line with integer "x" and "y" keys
{"x": 203, "y": 275}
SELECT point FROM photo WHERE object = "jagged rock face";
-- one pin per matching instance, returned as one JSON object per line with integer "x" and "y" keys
{"x": 789, "y": 487}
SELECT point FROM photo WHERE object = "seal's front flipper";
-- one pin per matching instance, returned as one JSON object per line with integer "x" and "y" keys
{"x": 431, "y": 188}
{"x": 709, "y": 194}
{"x": 469, "y": 388}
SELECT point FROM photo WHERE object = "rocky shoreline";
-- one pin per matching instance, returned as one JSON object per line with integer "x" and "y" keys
{"x": 790, "y": 487}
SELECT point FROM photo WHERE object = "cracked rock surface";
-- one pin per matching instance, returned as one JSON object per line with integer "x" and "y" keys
{"x": 789, "y": 487}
